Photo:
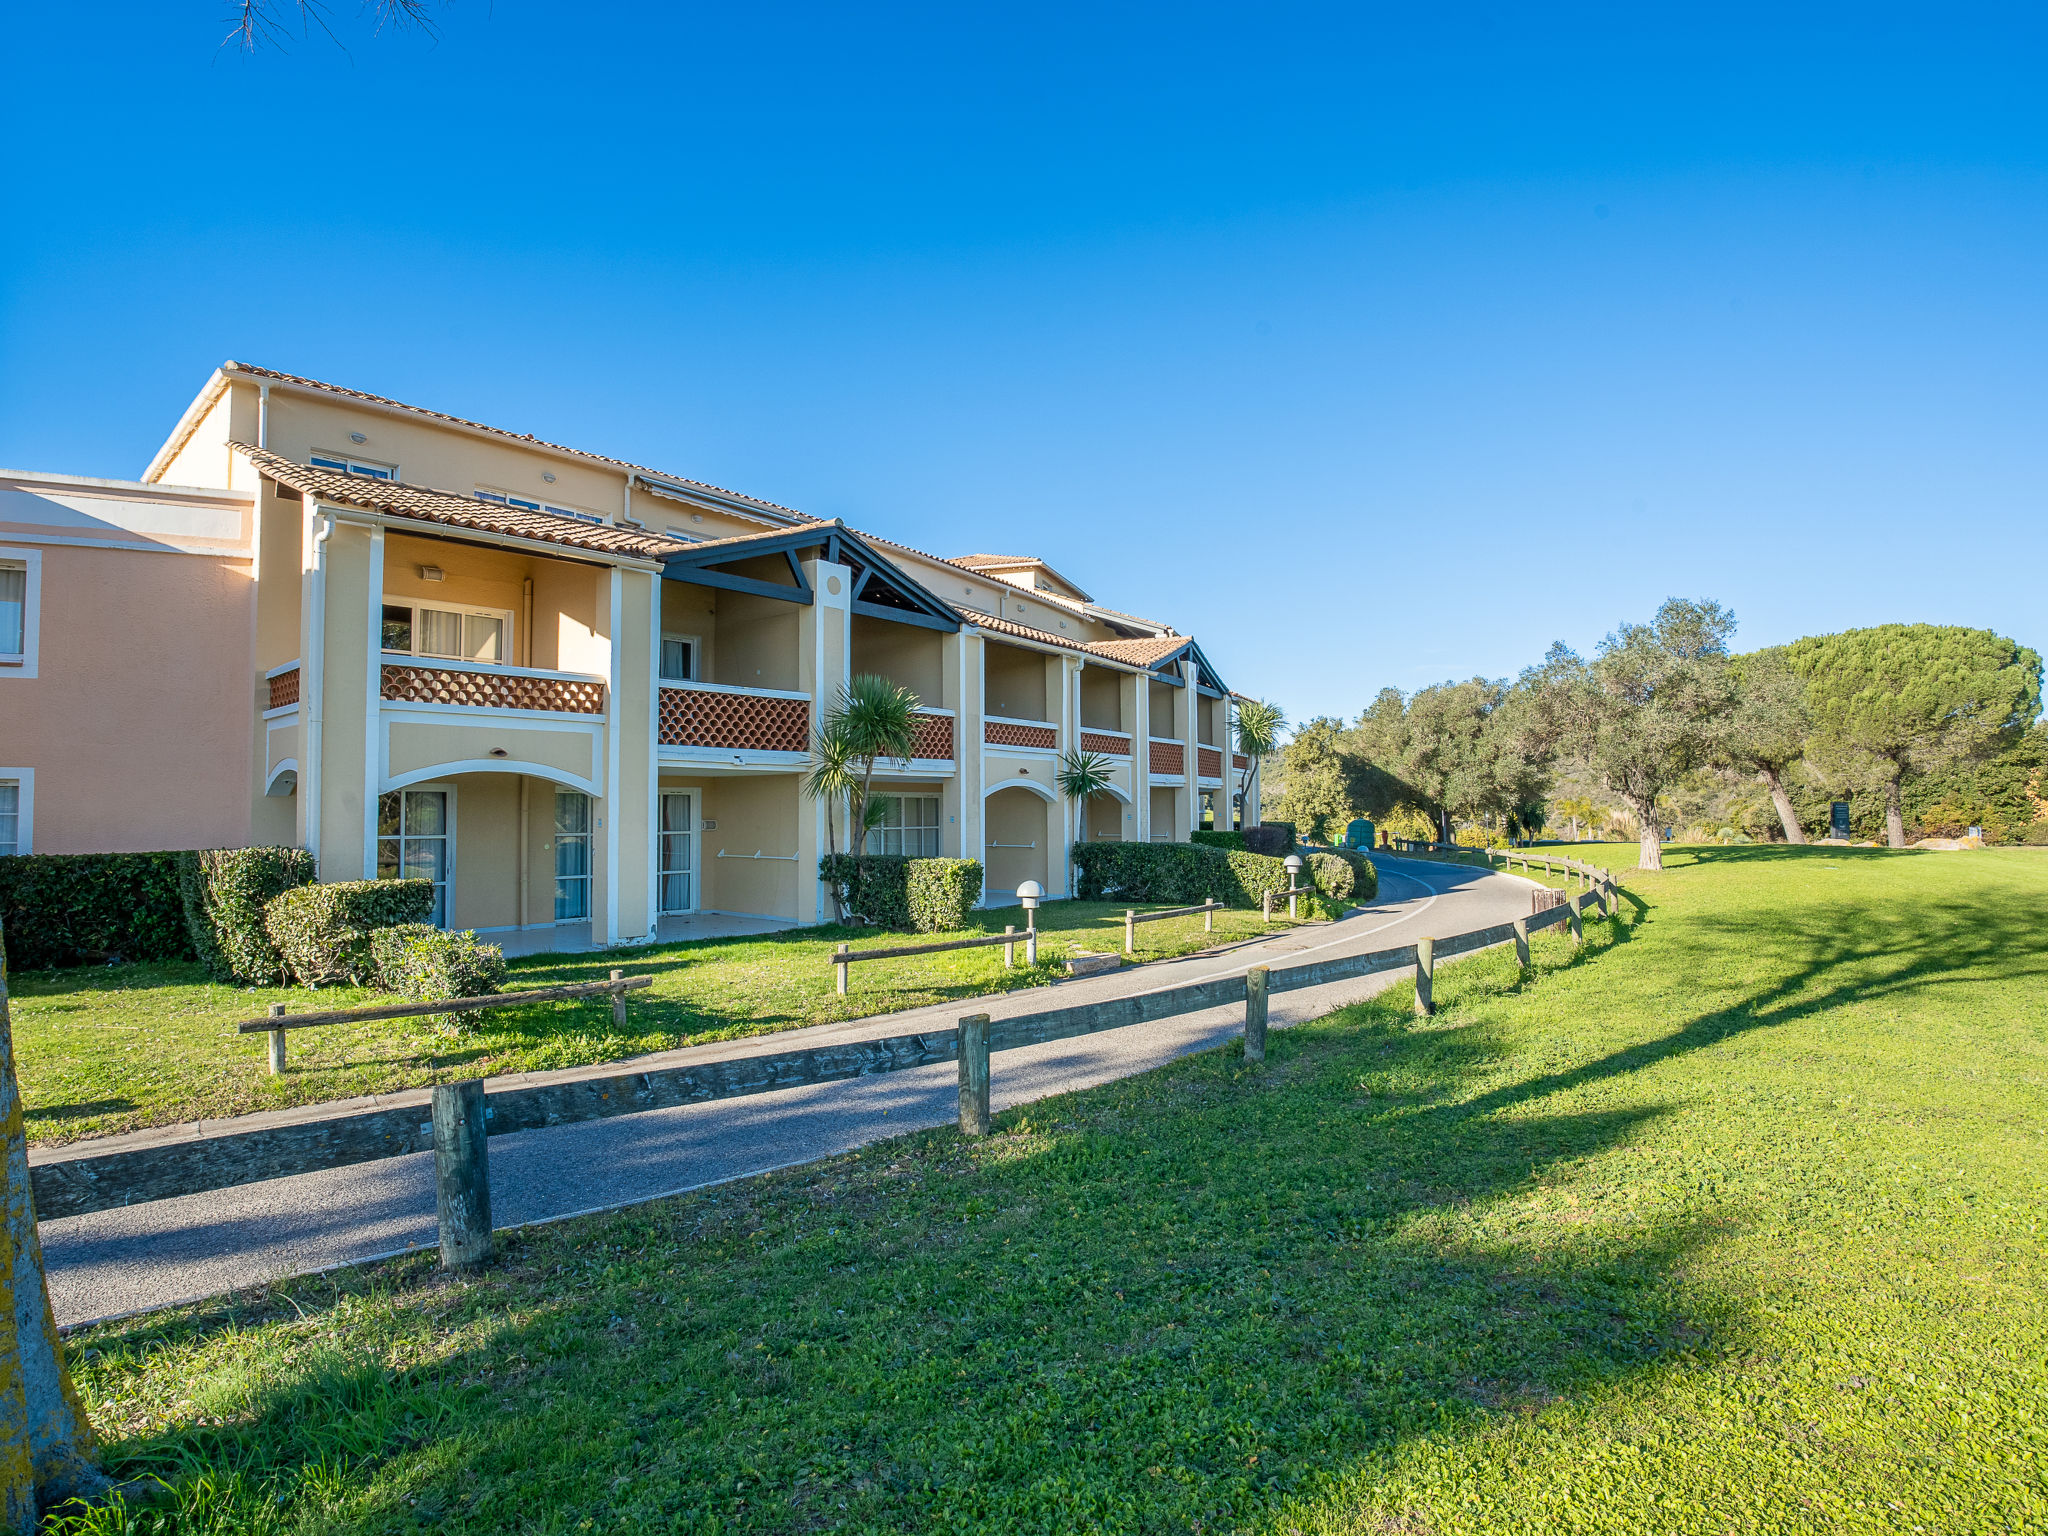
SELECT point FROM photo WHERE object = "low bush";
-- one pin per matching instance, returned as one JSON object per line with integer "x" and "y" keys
{"x": 223, "y": 893}
{"x": 2035, "y": 833}
{"x": 941, "y": 892}
{"x": 1175, "y": 874}
{"x": 1479, "y": 837}
{"x": 322, "y": 932}
{"x": 88, "y": 908}
{"x": 432, "y": 965}
{"x": 1331, "y": 876}
{"x": 1365, "y": 875}
{"x": 1233, "y": 840}
{"x": 1275, "y": 839}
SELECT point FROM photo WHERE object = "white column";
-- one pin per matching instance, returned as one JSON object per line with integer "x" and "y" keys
{"x": 614, "y": 677}
{"x": 373, "y": 718}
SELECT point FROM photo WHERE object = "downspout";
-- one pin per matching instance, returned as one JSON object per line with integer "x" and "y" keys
{"x": 526, "y": 622}
{"x": 262, "y": 415}
{"x": 313, "y": 686}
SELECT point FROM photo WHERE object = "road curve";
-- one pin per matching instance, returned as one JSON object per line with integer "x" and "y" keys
{"x": 146, "y": 1256}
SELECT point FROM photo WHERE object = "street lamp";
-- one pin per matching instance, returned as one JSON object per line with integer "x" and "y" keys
{"x": 1029, "y": 893}
{"x": 1293, "y": 866}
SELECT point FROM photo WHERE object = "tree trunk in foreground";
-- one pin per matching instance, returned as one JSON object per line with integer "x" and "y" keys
{"x": 1894, "y": 816}
{"x": 1794, "y": 833}
{"x": 1649, "y": 838}
{"x": 47, "y": 1450}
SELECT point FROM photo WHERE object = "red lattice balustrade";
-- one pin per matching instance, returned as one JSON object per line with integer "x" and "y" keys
{"x": 492, "y": 690}
{"x": 933, "y": 737}
{"x": 1166, "y": 757}
{"x": 1000, "y": 733}
{"x": 284, "y": 689}
{"x": 1239, "y": 761}
{"x": 693, "y": 717}
{"x": 1209, "y": 762}
{"x": 1113, "y": 746}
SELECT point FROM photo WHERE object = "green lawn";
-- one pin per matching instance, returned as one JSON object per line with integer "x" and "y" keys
{"x": 1730, "y": 1224}
{"x": 112, "y": 1048}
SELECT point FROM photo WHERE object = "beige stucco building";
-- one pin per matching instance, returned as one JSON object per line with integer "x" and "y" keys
{"x": 569, "y": 689}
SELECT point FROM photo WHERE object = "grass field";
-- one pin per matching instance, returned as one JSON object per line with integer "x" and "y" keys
{"x": 112, "y": 1048}
{"x": 1730, "y": 1224}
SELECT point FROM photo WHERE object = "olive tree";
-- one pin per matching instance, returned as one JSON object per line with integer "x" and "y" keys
{"x": 1649, "y": 708}
{"x": 1900, "y": 700}
{"x": 1766, "y": 730}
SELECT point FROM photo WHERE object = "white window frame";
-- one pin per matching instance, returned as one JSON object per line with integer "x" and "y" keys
{"x": 693, "y": 833}
{"x": 24, "y": 780}
{"x": 937, "y": 828}
{"x": 685, "y": 535}
{"x": 696, "y": 656}
{"x": 474, "y": 610}
{"x": 349, "y": 464}
{"x": 23, "y": 663}
{"x": 588, "y": 836}
{"x": 531, "y": 504}
{"x": 439, "y": 787}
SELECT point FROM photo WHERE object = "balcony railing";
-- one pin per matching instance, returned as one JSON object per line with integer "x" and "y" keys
{"x": 933, "y": 736}
{"x": 734, "y": 719}
{"x": 283, "y": 683}
{"x": 1239, "y": 761}
{"x": 999, "y": 731}
{"x": 1167, "y": 757}
{"x": 418, "y": 680}
{"x": 1109, "y": 743}
{"x": 1208, "y": 762}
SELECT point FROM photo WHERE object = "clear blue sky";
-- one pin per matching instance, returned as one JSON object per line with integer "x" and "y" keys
{"x": 1233, "y": 313}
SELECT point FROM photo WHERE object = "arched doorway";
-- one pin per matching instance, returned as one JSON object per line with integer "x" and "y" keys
{"x": 1020, "y": 829}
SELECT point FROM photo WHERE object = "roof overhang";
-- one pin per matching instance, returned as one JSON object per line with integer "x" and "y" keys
{"x": 881, "y": 589}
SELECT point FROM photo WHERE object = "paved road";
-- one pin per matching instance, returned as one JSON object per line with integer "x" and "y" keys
{"x": 203, "y": 1245}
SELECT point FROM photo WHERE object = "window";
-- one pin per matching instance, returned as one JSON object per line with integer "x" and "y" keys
{"x": 678, "y": 658}
{"x": 572, "y": 855}
{"x": 413, "y": 838}
{"x": 13, "y": 825}
{"x": 675, "y": 852}
{"x": 456, "y": 634}
{"x": 507, "y": 499}
{"x": 353, "y": 466}
{"x": 21, "y": 586}
{"x": 910, "y": 826}
{"x": 684, "y": 534}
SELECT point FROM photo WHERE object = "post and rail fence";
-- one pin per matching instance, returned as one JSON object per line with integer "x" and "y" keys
{"x": 76, "y": 1180}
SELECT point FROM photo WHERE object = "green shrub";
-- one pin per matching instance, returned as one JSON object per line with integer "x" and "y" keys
{"x": 88, "y": 908}
{"x": 874, "y": 886}
{"x": 432, "y": 965}
{"x": 1365, "y": 875}
{"x": 322, "y": 932}
{"x": 224, "y": 892}
{"x": 941, "y": 892}
{"x": 1479, "y": 837}
{"x": 1275, "y": 839}
{"x": 1218, "y": 839}
{"x": 2035, "y": 834}
{"x": 1331, "y": 876}
{"x": 1175, "y": 874}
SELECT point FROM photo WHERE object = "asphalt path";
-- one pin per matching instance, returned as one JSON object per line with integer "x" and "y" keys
{"x": 146, "y": 1256}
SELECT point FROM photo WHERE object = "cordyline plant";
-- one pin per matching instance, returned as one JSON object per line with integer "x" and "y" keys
{"x": 1649, "y": 708}
{"x": 1259, "y": 725}
{"x": 1081, "y": 776}
{"x": 872, "y": 720}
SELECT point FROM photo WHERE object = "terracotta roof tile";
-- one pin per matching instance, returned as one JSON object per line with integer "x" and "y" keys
{"x": 451, "y": 509}
{"x": 1147, "y": 652}
{"x": 521, "y": 437}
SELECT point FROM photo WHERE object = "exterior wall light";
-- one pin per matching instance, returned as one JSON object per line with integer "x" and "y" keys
{"x": 357, "y": 437}
{"x": 548, "y": 475}
{"x": 432, "y": 573}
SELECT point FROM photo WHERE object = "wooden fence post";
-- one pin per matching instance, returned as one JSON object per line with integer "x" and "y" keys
{"x": 842, "y": 968}
{"x": 1255, "y": 1013}
{"x": 1009, "y": 949}
{"x": 1571, "y": 907}
{"x": 618, "y": 1002}
{"x": 1266, "y": 906}
{"x": 277, "y": 1042}
{"x": 1425, "y": 977}
{"x": 462, "y": 1174}
{"x": 1130, "y": 932}
{"x": 1522, "y": 941}
{"x": 1209, "y": 916}
{"x": 974, "y": 1075}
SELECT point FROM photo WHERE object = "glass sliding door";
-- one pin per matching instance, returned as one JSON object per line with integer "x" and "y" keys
{"x": 678, "y": 889}
{"x": 572, "y": 856}
{"x": 413, "y": 838}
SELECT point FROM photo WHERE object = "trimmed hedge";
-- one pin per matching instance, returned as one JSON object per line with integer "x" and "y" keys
{"x": 1182, "y": 874}
{"x": 1275, "y": 839}
{"x": 885, "y": 890}
{"x": 91, "y": 908}
{"x": 941, "y": 892}
{"x": 431, "y": 965}
{"x": 1218, "y": 840}
{"x": 224, "y": 892}
{"x": 323, "y": 932}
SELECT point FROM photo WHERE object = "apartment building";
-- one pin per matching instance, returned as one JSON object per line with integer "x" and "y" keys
{"x": 568, "y": 689}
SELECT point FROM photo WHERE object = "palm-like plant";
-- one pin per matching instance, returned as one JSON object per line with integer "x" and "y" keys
{"x": 1081, "y": 776}
{"x": 1259, "y": 725}
{"x": 873, "y": 719}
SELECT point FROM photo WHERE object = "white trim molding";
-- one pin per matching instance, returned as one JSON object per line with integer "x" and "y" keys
{"x": 24, "y": 662}
{"x": 25, "y": 807}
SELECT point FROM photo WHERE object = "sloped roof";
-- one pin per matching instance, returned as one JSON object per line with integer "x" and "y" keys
{"x": 452, "y": 509}
{"x": 1016, "y": 563}
{"x": 1147, "y": 652}
{"x": 252, "y": 371}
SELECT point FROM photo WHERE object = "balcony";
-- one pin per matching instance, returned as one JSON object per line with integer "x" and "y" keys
{"x": 1033, "y": 735}
{"x": 722, "y": 718}
{"x": 1209, "y": 763}
{"x": 418, "y": 680}
{"x": 1108, "y": 743}
{"x": 1168, "y": 758}
{"x": 283, "y": 685}
{"x": 933, "y": 737}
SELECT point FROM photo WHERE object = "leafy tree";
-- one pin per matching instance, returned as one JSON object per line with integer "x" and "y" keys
{"x": 1319, "y": 776}
{"x": 1259, "y": 725}
{"x": 1648, "y": 709}
{"x": 1452, "y": 750}
{"x": 1766, "y": 731}
{"x": 1577, "y": 809}
{"x": 872, "y": 720}
{"x": 1902, "y": 700}
{"x": 48, "y": 1453}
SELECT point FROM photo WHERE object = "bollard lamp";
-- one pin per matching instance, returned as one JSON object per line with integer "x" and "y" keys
{"x": 1029, "y": 893}
{"x": 1293, "y": 864}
